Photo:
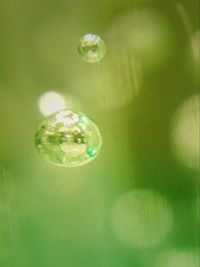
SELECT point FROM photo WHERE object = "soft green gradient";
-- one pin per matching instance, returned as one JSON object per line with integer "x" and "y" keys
{"x": 137, "y": 203}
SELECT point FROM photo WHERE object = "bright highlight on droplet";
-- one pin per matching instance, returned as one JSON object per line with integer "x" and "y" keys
{"x": 91, "y": 48}
{"x": 68, "y": 139}
{"x": 185, "y": 133}
{"x": 141, "y": 218}
{"x": 51, "y": 102}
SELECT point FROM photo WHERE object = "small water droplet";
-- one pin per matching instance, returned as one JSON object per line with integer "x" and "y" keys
{"x": 62, "y": 140}
{"x": 91, "y": 48}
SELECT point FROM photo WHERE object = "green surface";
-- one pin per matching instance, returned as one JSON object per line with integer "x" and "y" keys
{"x": 137, "y": 203}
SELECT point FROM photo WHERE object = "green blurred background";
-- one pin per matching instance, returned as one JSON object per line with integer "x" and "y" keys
{"x": 137, "y": 203}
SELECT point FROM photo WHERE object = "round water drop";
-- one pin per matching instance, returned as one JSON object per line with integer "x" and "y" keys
{"x": 68, "y": 139}
{"x": 91, "y": 48}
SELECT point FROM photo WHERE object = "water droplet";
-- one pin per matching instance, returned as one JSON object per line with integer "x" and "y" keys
{"x": 91, "y": 48}
{"x": 68, "y": 139}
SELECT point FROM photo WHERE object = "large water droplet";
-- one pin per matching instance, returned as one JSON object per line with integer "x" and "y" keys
{"x": 68, "y": 139}
{"x": 91, "y": 48}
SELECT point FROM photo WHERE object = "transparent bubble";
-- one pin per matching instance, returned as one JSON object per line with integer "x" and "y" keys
{"x": 68, "y": 139}
{"x": 91, "y": 48}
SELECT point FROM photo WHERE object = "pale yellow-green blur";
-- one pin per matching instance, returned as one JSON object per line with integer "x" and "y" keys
{"x": 146, "y": 34}
{"x": 142, "y": 218}
{"x": 185, "y": 133}
{"x": 178, "y": 258}
{"x": 195, "y": 44}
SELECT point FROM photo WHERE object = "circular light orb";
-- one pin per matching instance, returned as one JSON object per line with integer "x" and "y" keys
{"x": 51, "y": 102}
{"x": 185, "y": 133}
{"x": 178, "y": 258}
{"x": 141, "y": 218}
{"x": 146, "y": 34}
{"x": 91, "y": 48}
{"x": 68, "y": 139}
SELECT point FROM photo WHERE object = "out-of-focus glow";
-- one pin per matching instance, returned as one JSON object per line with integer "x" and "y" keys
{"x": 193, "y": 57}
{"x": 51, "y": 102}
{"x": 178, "y": 258}
{"x": 142, "y": 218}
{"x": 119, "y": 78}
{"x": 145, "y": 33}
{"x": 195, "y": 44}
{"x": 185, "y": 133}
{"x": 140, "y": 40}
{"x": 184, "y": 17}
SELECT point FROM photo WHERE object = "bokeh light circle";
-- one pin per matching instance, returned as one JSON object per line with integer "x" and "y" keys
{"x": 68, "y": 139}
{"x": 147, "y": 34}
{"x": 185, "y": 133}
{"x": 141, "y": 218}
{"x": 51, "y": 102}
